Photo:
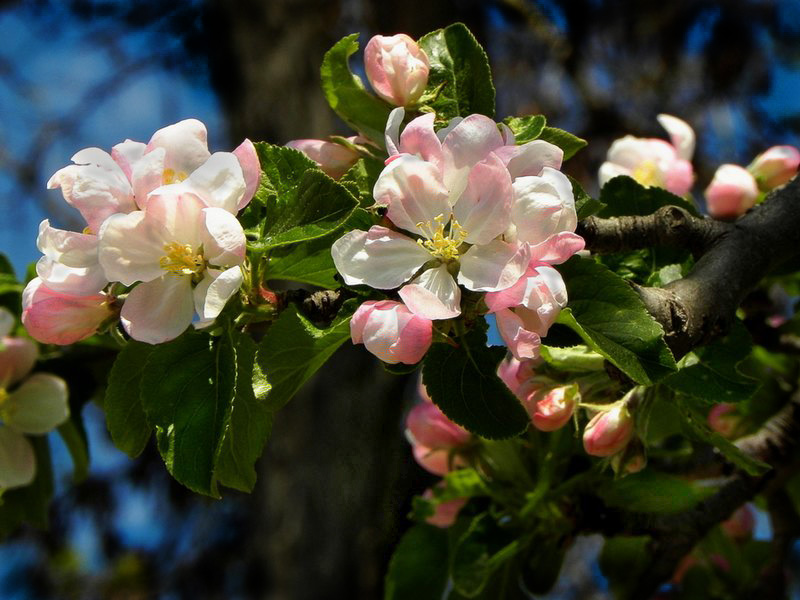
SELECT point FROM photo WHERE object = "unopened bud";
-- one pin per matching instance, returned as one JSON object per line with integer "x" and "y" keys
{"x": 397, "y": 68}
{"x": 445, "y": 513}
{"x": 731, "y": 193}
{"x": 428, "y": 426}
{"x": 334, "y": 159}
{"x": 551, "y": 409}
{"x": 630, "y": 460}
{"x": 609, "y": 431}
{"x": 775, "y": 167}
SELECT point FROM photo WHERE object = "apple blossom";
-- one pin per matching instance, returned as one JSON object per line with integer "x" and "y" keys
{"x": 608, "y": 431}
{"x": 445, "y": 513}
{"x": 184, "y": 253}
{"x": 731, "y": 193}
{"x": 653, "y": 162}
{"x": 428, "y": 426}
{"x": 397, "y": 68}
{"x": 391, "y": 331}
{"x": 775, "y": 166}
{"x": 518, "y": 376}
{"x": 552, "y": 409}
{"x": 335, "y": 159}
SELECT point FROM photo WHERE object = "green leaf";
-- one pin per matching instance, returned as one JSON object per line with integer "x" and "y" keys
{"x": 300, "y": 202}
{"x": 418, "y": 568}
{"x": 623, "y": 560}
{"x": 30, "y": 504}
{"x": 463, "y": 383}
{"x": 526, "y": 129}
{"x": 624, "y": 196}
{"x": 346, "y": 94}
{"x": 187, "y": 390}
{"x": 293, "y": 349}
{"x": 652, "y": 492}
{"x": 250, "y": 422}
{"x": 574, "y": 358}
{"x": 711, "y": 373}
{"x": 471, "y": 566}
{"x": 569, "y": 143}
{"x": 5, "y": 266}
{"x": 461, "y": 483}
{"x": 695, "y": 427}
{"x": 363, "y": 176}
{"x": 459, "y": 65}
{"x": 125, "y": 416}
{"x": 612, "y": 320}
{"x": 585, "y": 205}
{"x": 75, "y": 441}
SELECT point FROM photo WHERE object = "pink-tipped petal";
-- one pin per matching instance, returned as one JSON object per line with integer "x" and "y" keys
{"x": 557, "y": 248}
{"x": 185, "y": 145}
{"x": 17, "y": 357}
{"x": 433, "y": 295}
{"x": 731, "y": 193}
{"x": 468, "y": 143}
{"x": 397, "y": 68}
{"x": 428, "y": 426}
{"x": 522, "y": 343}
{"x": 420, "y": 138}
{"x": 680, "y": 133}
{"x": 126, "y": 154}
{"x": 222, "y": 237}
{"x": 334, "y": 159}
{"x": 159, "y": 310}
{"x": 391, "y": 332}
{"x": 67, "y": 247}
{"x": 484, "y": 208}
{"x": 62, "y": 319}
{"x": 251, "y": 169}
{"x": 530, "y": 158}
{"x": 494, "y": 266}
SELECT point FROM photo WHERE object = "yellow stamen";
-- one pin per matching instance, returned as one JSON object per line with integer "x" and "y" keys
{"x": 442, "y": 245}
{"x": 180, "y": 259}
{"x": 172, "y": 176}
{"x": 648, "y": 175}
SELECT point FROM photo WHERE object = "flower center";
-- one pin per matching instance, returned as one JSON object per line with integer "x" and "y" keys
{"x": 172, "y": 176}
{"x": 648, "y": 175}
{"x": 180, "y": 259}
{"x": 442, "y": 245}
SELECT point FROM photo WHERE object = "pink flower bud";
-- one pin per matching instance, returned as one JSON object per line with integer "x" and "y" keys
{"x": 723, "y": 419}
{"x": 609, "y": 431}
{"x": 439, "y": 461}
{"x": 731, "y": 193}
{"x": 446, "y": 512}
{"x": 740, "y": 525}
{"x": 551, "y": 409}
{"x": 331, "y": 157}
{"x": 427, "y": 425}
{"x": 397, "y": 68}
{"x": 391, "y": 332}
{"x": 17, "y": 357}
{"x": 776, "y": 166}
{"x": 631, "y": 460}
{"x": 55, "y": 318}
{"x": 517, "y": 375}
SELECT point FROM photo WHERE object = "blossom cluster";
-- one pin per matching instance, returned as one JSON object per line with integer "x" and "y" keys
{"x": 161, "y": 243}
{"x": 29, "y": 405}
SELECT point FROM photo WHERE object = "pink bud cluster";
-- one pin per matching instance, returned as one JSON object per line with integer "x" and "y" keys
{"x": 161, "y": 243}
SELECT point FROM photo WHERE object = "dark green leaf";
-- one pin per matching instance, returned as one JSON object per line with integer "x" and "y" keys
{"x": 293, "y": 349}
{"x": 526, "y": 129}
{"x": 460, "y": 66}
{"x": 5, "y": 266}
{"x": 187, "y": 390}
{"x": 613, "y": 321}
{"x": 363, "y": 176}
{"x": 569, "y": 143}
{"x": 463, "y": 383}
{"x": 471, "y": 558}
{"x": 30, "y": 504}
{"x": 418, "y": 568}
{"x": 125, "y": 416}
{"x": 624, "y": 196}
{"x": 75, "y": 441}
{"x": 623, "y": 560}
{"x": 585, "y": 205}
{"x": 250, "y": 421}
{"x": 346, "y": 94}
{"x": 300, "y": 202}
{"x": 712, "y": 374}
{"x": 653, "y": 492}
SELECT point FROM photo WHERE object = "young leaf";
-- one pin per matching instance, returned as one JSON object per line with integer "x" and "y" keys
{"x": 653, "y": 492}
{"x": 613, "y": 321}
{"x": 30, "y": 504}
{"x": 624, "y": 196}
{"x": 463, "y": 383}
{"x": 187, "y": 389}
{"x": 300, "y": 202}
{"x": 125, "y": 416}
{"x": 346, "y": 94}
{"x": 526, "y": 129}
{"x": 714, "y": 377}
{"x": 293, "y": 349}
{"x": 460, "y": 66}
{"x": 569, "y": 143}
{"x": 418, "y": 568}
{"x": 250, "y": 422}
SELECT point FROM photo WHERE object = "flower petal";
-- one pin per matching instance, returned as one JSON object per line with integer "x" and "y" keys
{"x": 159, "y": 310}
{"x": 420, "y": 138}
{"x": 380, "y": 258}
{"x": 38, "y": 405}
{"x": 17, "y": 460}
{"x": 185, "y": 145}
{"x": 71, "y": 280}
{"x": 557, "y": 248}
{"x": 433, "y": 295}
{"x": 543, "y": 206}
{"x": 54, "y": 318}
{"x": 214, "y": 291}
{"x": 17, "y": 357}
{"x": 392, "y": 332}
{"x": 222, "y": 237}
{"x": 681, "y": 134}
{"x": 530, "y": 158}
{"x": 147, "y": 174}
{"x": 412, "y": 190}
{"x": 392, "y": 130}
{"x": 468, "y": 143}
{"x": 251, "y": 170}
{"x": 67, "y": 247}
{"x": 522, "y": 343}
{"x": 494, "y": 266}
{"x": 484, "y": 209}
{"x": 218, "y": 182}
{"x": 126, "y": 154}
{"x": 131, "y": 246}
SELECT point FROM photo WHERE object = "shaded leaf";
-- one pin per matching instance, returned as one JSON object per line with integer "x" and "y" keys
{"x": 624, "y": 196}
{"x": 526, "y": 129}
{"x": 30, "y": 504}
{"x": 652, "y": 492}
{"x": 569, "y": 143}
{"x": 418, "y": 568}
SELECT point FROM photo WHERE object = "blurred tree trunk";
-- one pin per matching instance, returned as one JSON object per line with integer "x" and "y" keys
{"x": 335, "y": 482}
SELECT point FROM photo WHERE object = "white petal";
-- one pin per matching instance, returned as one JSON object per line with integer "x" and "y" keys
{"x": 380, "y": 258}
{"x": 392, "y": 135}
{"x": 531, "y": 158}
{"x": 218, "y": 182}
{"x": 67, "y": 247}
{"x": 71, "y": 280}
{"x": 38, "y": 405}
{"x": 681, "y": 134}
{"x": 159, "y": 310}
{"x": 17, "y": 460}
{"x": 609, "y": 170}
{"x": 130, "y": 248}
{"x": 467, "y": 144}
{"x": 185, "y": 144}
{"x": 211, "y": 294}
{"x": 147, "y": 174}
{"x": 126, "y": 154}
{"x": 543, "y": 206}
{"x": 484, "y": 209}
{"x": 494, "y": 266}
{"x": 433, "y": 295}
{"x": 222, "y": 237}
